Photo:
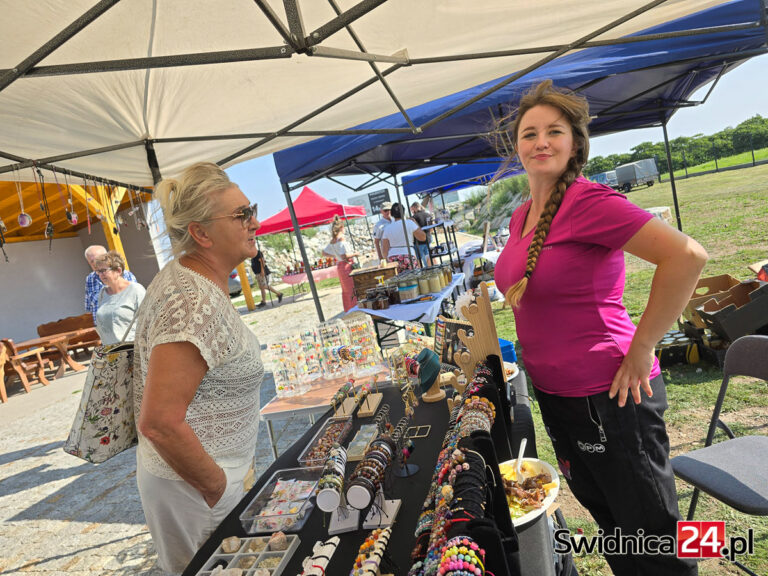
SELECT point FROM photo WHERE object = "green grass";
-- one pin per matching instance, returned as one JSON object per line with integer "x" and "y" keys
{"x": 727, "y": 213}
{"x": 735, "y": 160}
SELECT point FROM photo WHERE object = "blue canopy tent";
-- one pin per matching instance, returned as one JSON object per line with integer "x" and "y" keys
{"x": 636, "y": 82}
{"x": 440, "y": 179}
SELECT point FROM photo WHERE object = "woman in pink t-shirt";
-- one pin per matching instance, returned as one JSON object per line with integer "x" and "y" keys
{"x": 598, "y": 384}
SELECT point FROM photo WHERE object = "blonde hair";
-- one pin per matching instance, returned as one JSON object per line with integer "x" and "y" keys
{"x": 336, "y": 227}
{"x": 112, "y": 260}
{"x": 575, "y": 110}
{"x": 191, "y": 198}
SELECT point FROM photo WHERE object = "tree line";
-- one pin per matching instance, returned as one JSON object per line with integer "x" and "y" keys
{"x": 752, "y": 134}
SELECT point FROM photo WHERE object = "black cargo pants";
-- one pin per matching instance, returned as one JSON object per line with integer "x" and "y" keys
{"x": 616, "y": 462}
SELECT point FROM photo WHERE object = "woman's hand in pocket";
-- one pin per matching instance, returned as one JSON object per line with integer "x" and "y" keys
{"x": 219, "y": 486}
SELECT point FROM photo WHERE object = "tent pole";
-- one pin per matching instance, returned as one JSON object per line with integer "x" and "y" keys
{"x": 405, "y": 229}
{"x": 302, "y": 249}
{"x": 672, "y": 176}
{"x": 368, "y": 225}
{"x": 351, "y": 237}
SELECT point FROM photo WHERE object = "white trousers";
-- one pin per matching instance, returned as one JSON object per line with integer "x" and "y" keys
{"x": 178, "y": 517}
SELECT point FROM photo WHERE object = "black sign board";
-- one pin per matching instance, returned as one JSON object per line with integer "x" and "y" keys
{"x": 376, "y": 199}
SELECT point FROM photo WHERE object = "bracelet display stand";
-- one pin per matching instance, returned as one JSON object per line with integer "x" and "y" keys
{"x": 346, "y": 409}
{"x": 382, "y": 513}
{"x": 344, "y": 519}
{"x": 369, "y": 406}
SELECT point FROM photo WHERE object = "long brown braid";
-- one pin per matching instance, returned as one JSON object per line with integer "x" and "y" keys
{"x": 576, "y": 111}
{"x": 515, "y": 292}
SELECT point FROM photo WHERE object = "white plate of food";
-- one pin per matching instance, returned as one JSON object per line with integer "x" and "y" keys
{"x": 530, "y": 498}
{"x": 511, "y": 370}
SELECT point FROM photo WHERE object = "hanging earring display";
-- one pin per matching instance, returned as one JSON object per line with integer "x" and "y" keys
{"x": 71, "y": 214}
{"x": 24, "y": 219}
{"x": 3, "y": 230}
{"x": 45, "y": 208}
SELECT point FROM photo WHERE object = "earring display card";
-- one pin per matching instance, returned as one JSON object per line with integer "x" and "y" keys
{"x": 252, "y": 554}
{"x": 447, "y": 342}
{"x": 359, "y": 444}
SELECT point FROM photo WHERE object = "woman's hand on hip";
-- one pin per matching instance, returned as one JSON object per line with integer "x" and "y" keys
{"x": 633, "y": 374}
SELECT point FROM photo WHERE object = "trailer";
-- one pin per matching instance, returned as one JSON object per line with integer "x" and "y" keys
{"x": 636, "y": 174}
{"x": 607, "y": 178}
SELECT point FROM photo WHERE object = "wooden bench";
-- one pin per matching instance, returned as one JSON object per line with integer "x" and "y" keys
{"x": 25, "y": 365}
{"x": 83, "y": 342}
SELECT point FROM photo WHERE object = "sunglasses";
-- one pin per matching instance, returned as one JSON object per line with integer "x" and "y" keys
{"x": 244, "y": 215}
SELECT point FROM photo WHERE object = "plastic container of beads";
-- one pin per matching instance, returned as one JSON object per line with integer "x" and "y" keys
{"x": 362, "y": 334}
{"x": 284, "y": 360}
{"x": 333, "y": 431}
{"x": 284, "y": 502}
{"x": 334, "y": 334}
{"x": 252, "y": 553}
{"x": 310, "y": 356}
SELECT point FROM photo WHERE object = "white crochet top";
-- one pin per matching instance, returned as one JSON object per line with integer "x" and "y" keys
{"x": 183, "y": 306}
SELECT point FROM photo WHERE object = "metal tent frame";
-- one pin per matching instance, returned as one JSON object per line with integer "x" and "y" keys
{"x": 299, "y": 41}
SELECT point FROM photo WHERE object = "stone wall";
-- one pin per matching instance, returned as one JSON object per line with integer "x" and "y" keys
{"x": 279, "y": 260}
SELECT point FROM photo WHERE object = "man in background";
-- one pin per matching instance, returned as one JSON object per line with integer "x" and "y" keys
{"x": 422, "y": 218}
{"x": 378, "y": 228}
{"x": 260, "y": 268}
{"x": 93, "y": 283}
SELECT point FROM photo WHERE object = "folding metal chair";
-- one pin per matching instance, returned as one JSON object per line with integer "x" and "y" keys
{"x": 734, "y": 471}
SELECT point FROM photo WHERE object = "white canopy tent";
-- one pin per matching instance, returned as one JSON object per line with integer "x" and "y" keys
{"x": 131, "y": 91}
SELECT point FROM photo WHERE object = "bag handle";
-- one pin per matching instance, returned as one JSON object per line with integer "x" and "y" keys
{"x": 128, "y": 330}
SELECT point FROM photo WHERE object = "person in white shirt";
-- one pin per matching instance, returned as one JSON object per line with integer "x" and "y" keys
{"x": 378, "y": 228}
{"x": 197, "y": 367}
{"x": 336, "y": 248}
{"x": 393, "y": 241}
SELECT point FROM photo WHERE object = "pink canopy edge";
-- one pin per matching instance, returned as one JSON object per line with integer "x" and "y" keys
{"x": 311, "y": 210}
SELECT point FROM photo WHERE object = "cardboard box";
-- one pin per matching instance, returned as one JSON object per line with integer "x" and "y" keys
{"x": 706, "y": 289}
{"x": 742, "y": 310}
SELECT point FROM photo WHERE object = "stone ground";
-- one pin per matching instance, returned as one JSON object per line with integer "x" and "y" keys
{"x": 61, "y": 515}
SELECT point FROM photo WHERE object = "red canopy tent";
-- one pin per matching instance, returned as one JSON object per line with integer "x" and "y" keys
{"x": 311, "y": 210}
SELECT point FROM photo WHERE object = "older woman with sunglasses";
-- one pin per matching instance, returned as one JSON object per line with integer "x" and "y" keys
{"x": 197, "y": 367}
{"x": 118, "y": 300}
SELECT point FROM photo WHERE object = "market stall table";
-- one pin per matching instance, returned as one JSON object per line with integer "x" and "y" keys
{"x": 412, "y": 491}
{"x": 424, "y": 312}
{"x": 535, "y": 540}
{"x": 321, "y": 274}
{"x": 312, "y": 403}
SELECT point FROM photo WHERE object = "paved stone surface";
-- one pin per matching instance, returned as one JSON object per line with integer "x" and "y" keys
{"x": 61, "y": 515}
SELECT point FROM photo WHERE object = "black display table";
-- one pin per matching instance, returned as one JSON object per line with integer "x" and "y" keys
{"x": 412, "y": 491}
{"x": 535, "y": 539}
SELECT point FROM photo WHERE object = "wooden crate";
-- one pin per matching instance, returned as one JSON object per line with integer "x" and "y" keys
{"x": 366, "y": 277}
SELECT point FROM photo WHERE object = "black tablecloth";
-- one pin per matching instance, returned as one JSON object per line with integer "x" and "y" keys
{"x": 412, "y": 491}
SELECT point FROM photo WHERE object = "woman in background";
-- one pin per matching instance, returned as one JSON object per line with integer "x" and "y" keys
{"x": 336, "y": 248}
{"x": 393, "y": 244}
{"x": 598, "y": 384}
{"x": 197, "y": 368}
{"x": 118, "y": 300}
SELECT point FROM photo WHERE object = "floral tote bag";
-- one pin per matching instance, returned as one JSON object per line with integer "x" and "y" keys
{"x": 104, "y": 424}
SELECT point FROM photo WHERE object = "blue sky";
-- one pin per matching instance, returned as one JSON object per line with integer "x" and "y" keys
{"x": 739, "y": 95}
